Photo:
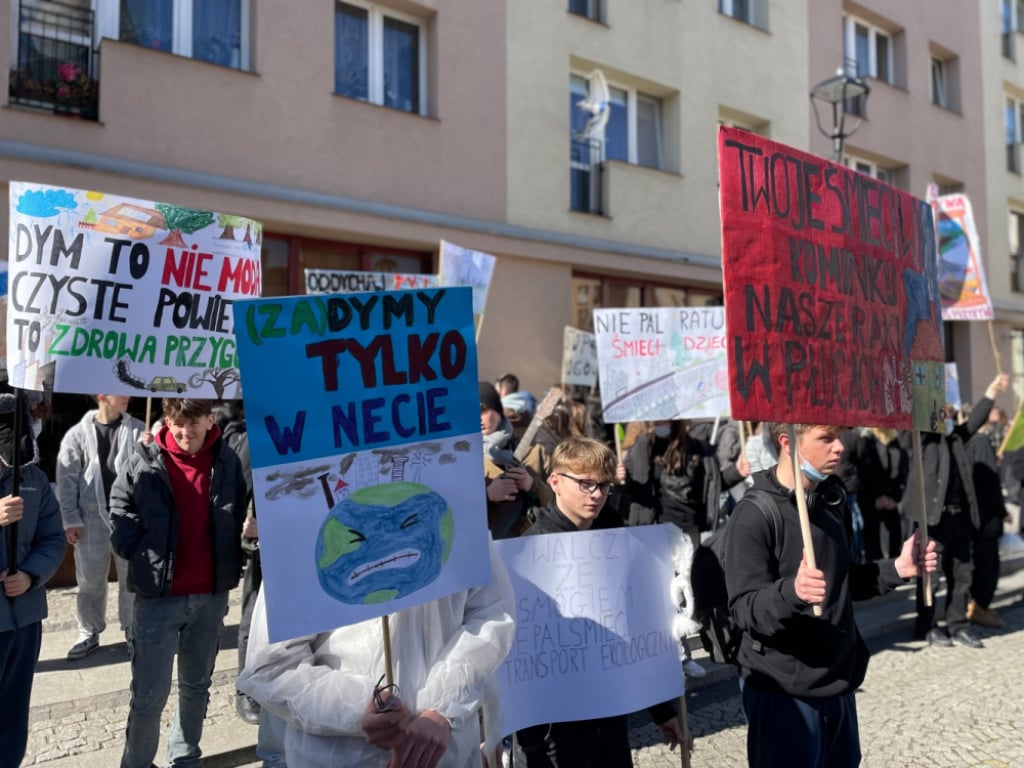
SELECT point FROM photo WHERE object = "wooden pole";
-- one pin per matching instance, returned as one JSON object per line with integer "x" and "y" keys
{"x": 743, "y": 437}
{"x": 389, "y": 672}
{"x": 684, "y": 748}
{"x": 995, "y": 348}
{"x": 922, "y": 517}
{"x": 801, "y": 507}
{"x": 149, "y": 414}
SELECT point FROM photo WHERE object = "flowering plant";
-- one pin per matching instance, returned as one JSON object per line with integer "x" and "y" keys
{"x": 74, "y": 89}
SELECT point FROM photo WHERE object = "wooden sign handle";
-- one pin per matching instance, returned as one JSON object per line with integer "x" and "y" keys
{"x": 801, "y": 507}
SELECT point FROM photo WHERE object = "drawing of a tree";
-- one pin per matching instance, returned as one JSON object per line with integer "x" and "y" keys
{"x": 229, "y": 222}
{"x": 187, "y": 220}
{"x": 219, "y": 378}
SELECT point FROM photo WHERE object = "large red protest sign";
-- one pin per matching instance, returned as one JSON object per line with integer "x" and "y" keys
{"x": 833, "y": 312}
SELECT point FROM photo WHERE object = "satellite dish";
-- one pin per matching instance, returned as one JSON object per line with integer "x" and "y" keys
{"x": 597, "y": 105}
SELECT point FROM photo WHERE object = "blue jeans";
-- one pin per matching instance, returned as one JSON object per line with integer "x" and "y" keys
{"x": 189, "y": 626}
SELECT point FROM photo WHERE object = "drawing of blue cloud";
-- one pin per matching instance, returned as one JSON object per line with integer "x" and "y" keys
{"x": 383, "y": 542}
{"x": 46, "y": 202}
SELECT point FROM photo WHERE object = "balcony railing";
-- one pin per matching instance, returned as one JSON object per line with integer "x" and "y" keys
{"x": 586, "y": 169}
{"x": 56, "y": 64}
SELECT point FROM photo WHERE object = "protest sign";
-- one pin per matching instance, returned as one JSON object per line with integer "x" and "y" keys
{"x": 953, "y": 386}
{"x": 1014, "y": 439}
{"x": 363, "y": 414}
{"x": 350, "y": 281}
{"x": 593, "y": 625}
{"x": 462, "y": 266}
{"x": 962, "y": 284}
{"x": 122, "y": 296}
{"x": 662, "y": 363}
{"x": 831, "y": 291}
{"x": 579, "y": 357}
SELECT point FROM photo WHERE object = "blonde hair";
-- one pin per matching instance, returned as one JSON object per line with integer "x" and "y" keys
{"x": 584, "y": 455}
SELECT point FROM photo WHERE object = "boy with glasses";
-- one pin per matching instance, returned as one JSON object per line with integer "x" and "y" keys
{"x": 582, "y": 476}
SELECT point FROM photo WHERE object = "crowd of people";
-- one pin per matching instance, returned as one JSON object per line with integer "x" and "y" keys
{"x": 172, "y": 503}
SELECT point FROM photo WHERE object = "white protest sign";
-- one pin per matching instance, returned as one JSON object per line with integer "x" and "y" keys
{"x": 593, "y": 625}
{"x": 462, "y": 266}
{"x": 662, "y": 363}
{"x": 953, "y": 386}
{"x": 122, "y": 296}
{"x": 579, "y": 357}
{"x": 352, "y": 281}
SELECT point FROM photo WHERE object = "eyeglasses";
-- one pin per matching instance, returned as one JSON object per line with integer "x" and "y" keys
{"x": 589, "y": 486}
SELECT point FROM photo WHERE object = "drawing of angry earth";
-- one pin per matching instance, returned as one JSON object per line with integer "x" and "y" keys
{"x": 384, "y": 542}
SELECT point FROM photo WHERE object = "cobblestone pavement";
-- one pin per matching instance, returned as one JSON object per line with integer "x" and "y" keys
{"x": 919, "y": 707}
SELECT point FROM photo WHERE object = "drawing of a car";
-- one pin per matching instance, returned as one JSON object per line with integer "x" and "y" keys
{"x": 165, "y": 384}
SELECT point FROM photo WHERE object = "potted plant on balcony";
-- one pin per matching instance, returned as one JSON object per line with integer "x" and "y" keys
{"x": 75, "y": 93}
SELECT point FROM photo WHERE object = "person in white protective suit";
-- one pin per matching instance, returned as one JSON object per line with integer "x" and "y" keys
{"x": 91, "y": 454}
{"x": 444, "y": 653}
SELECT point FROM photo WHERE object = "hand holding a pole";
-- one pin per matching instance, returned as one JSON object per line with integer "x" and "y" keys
{"x": 809, "y": 584}
{"x": 999, "y": 384}
{"x": 914, "y": 559}
{"x": 12, "y": 508}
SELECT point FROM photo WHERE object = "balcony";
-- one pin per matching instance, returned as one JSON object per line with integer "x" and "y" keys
{"x": 56, "y": 65}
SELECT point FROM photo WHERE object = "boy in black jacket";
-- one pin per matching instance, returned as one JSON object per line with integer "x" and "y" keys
{"x": 582, "y": 475}
{"x": 800, "y": 671}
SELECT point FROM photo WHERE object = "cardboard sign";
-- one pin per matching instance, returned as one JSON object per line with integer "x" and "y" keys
{"x": 463, "y": 266}
{"x": 662, "y": 363}
{"x": 962, "y": 282}
{"x": 350, "y": 281}
{"x": 593, "y": 625}
{"x": 579, "y": 357}
{"x": 122, "y": 296}
{"x": 363, "y": 424}
{"x": 953, "y": 386}
{"x": 831, "y": 291}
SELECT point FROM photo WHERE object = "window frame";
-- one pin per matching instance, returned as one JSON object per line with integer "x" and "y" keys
{"x": 870, "y": 168}
{"x": 874, "y": 32}
{"x": 756, "y": 12}
{"x": 594, "y": 11}
{"x": 1015, "y": 107}
{"x": 939, "y": 80}
{"x": 108, "y": 24}
{"x": 633, "y": 97}
{"x": 376, "y": 14}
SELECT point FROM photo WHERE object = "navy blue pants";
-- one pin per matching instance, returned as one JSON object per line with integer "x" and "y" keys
{"x": 19, "y": 653}
{"x": 788, "y": 732}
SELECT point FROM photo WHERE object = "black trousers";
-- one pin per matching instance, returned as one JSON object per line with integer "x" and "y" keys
{"x": 986, "y": 564}
{"x": 598, "y": 743}
{"x": 251, "y": 581}
{"x": 954, "y": 537}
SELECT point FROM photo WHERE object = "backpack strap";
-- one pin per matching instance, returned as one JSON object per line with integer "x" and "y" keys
{"x": 770, "y": 511}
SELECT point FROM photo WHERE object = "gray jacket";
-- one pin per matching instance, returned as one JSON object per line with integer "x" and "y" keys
{"x": 79, "y": 476}
{"x": 144, "y": 519}
{"x": 40, "y": 546}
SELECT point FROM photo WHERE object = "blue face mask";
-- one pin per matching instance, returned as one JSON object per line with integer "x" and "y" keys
{"x": 949, "y": 424}
{"x": 811, "y": 473}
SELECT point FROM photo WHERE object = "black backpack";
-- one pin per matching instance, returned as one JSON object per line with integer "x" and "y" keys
{"x": 718, "y": 632}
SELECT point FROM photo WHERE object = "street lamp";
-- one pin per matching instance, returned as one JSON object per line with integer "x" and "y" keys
{"x": 837, "y": 91}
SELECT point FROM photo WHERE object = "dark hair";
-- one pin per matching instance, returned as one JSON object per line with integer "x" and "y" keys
{"x": 186, "y": 408}
{"x": 509, "y": 382}
{"x": 678, "y": 450}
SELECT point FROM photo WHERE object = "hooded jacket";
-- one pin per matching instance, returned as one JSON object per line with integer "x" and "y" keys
{"x": 79, "y": 475}
{"x": 784, "y": 646}
{"x": 145, "y": 519}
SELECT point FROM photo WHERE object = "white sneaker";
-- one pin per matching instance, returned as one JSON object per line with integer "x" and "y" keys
{"x": 692, "y": 669}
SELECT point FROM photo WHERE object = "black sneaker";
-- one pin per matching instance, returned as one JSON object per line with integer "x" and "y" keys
{"x": 939, "y": 638}
{"x": 247, "y": 708}
{"x": 965, "y": 638}
{"x": 84, "y": 647}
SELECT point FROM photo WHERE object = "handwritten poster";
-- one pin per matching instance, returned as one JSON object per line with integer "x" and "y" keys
{"x": 662, "y": 363}
{"x": 463, "y": 266}
{"x": 363, "y": 414}
{"x": 832, "y": 298}
{"x": 579, "y": 357}
{"x": 962, "y": 282}
{"x": 350, "y": 281}
{"x": 593, "y": 625}
{"x": 122, "y": 296}
{"x": 953, "y": 386}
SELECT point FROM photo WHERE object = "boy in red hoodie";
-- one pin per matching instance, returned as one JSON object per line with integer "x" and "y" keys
{"x": 177, "y": 510}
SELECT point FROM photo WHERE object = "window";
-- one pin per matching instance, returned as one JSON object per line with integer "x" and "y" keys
{"x": 940, "y": 97}
{"x": 379, "y": 57}
{"x": 887, "y": 175}
{"x": 633, "y": 133}
{"x": 590, "y": 9}
{"x": 217, "y": 32}
{"x": 753, "y": 12}
{"x": 869, "y": 48}
{"x": 1008, "y": 21}
{"x": 1013, "y": 118}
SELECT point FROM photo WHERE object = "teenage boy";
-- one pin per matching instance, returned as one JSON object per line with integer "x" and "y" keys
{"x": 91, "y": 454}
{"x": 582, "y": 476}
{"x": 177, "y": 511}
